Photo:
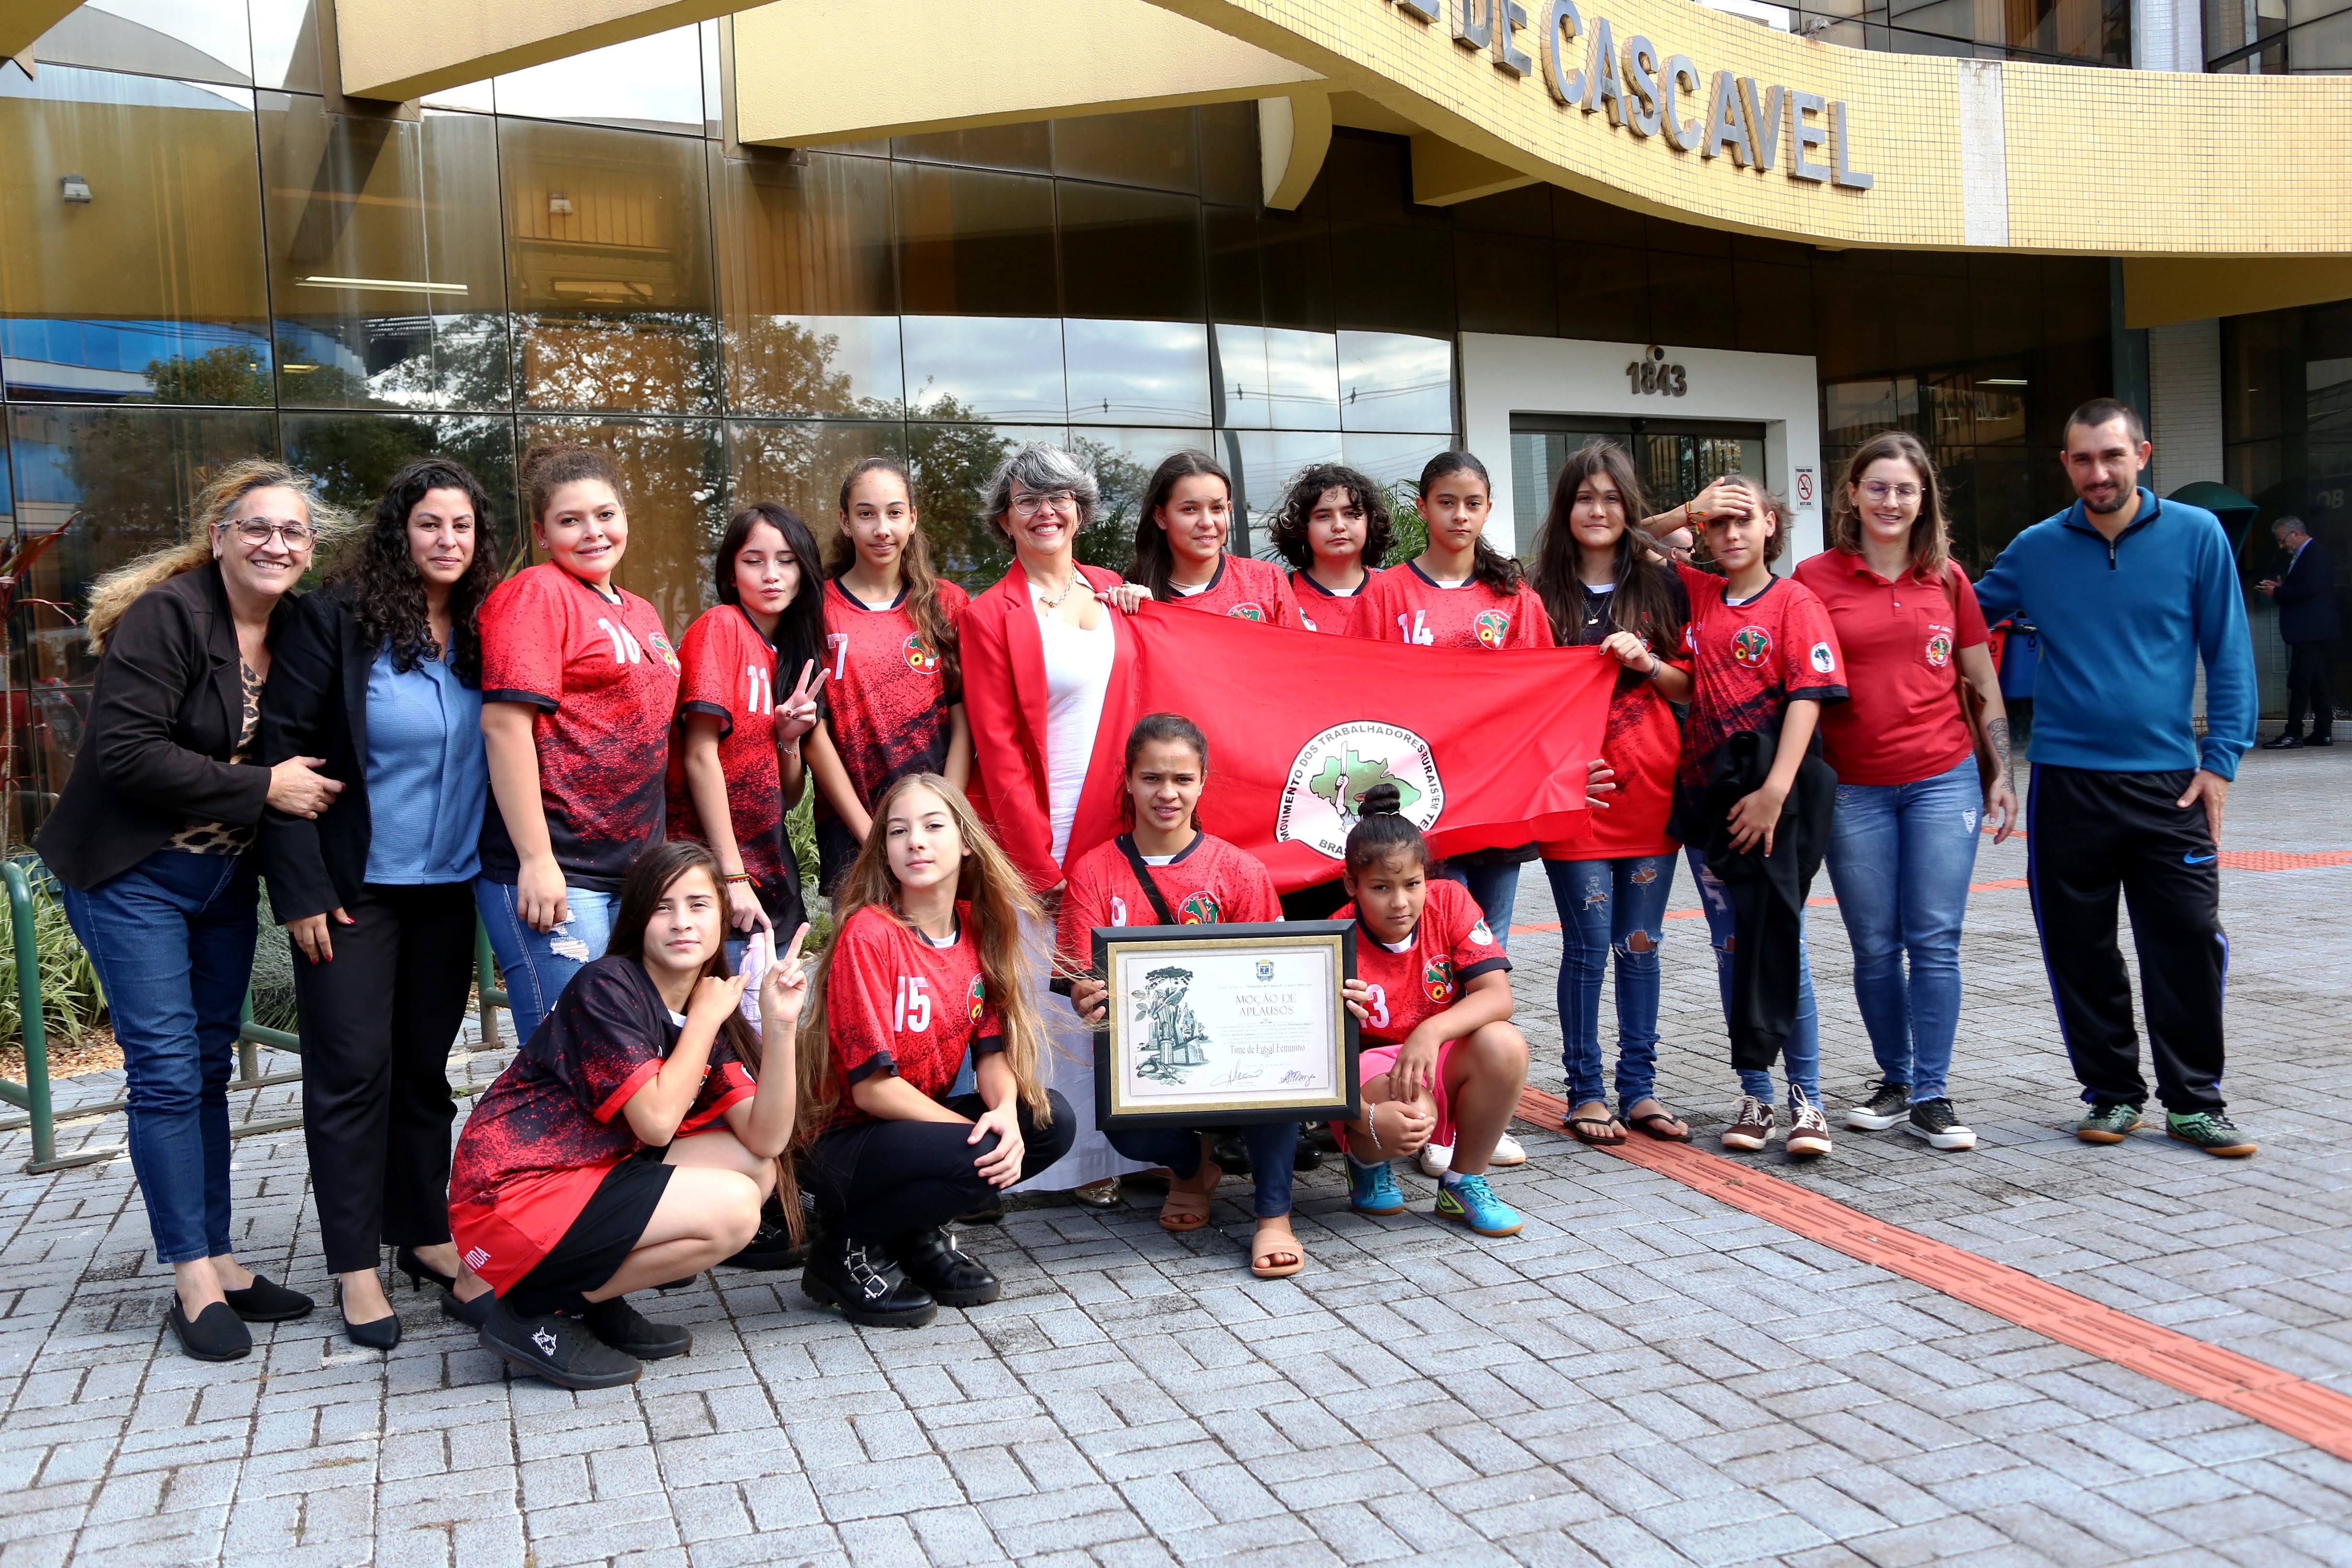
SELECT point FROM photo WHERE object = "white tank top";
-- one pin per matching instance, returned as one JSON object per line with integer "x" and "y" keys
{"x": 1077, "y": 677}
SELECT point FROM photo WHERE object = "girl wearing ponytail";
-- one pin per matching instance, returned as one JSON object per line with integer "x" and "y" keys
{"x": 1441, "y": 1061}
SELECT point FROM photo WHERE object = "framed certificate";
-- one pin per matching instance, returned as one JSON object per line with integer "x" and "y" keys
{"x": 1212, "y": 1025}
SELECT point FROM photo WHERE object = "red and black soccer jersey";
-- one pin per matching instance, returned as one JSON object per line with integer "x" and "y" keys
{"x": 543, "y": 1136}
{"x": 888, "y": 701}
{"x": 1747, "y": 663}
{"x": 1641, "y": 746}
{"x": 730, "y": 673}
{"x": 1247, "y": 589}
{"x": 1207, "y": 882}
{"x": 1449, "y": 948}
{"x": 895, "y": 1003}
{"x": 1321, "y": 610}
{"x": 603, "y": 677}
{"x": 1403, "y": 603}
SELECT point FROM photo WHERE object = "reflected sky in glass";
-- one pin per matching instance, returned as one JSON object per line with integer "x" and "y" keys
{"x": 204, "y": 39}
{"x": 1277, "y": 378}
{"x": 1004, "y": 369}
{"x": 1391, "y": 382}
{"x": 1138, "y": 372}
{"x": 1262, "y": 463}
{"x": 476, "y": 95}
{"x": 1394, "y": 460}
{"x": 652, "y": 83}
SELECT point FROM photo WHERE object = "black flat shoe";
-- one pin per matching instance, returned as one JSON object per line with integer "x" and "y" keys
{"x": 2282, "y": 743}
{"x": 266, "y": 1301}
{"x": 419, "y": 1272}
{"x": 375, "y": 1334}
{"x": 473, "y": 1313}
{"x": 931, "y": 1259}
{"x": 626, "y": 1330}
{"x": 217, "y": 1335}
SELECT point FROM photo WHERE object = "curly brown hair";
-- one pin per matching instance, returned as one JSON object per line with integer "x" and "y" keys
{"x": 379, "y": 579}
{"x": 1288, "y": 531}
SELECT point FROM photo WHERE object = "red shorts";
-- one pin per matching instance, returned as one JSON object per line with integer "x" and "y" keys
{"x": 504, "y": 1239}
{"x": 1373, "y": 1060}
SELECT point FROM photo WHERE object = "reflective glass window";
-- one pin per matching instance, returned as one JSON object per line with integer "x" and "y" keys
{"x": 476, "y": 97}
{"x": 1129, "y": 252}
{"x": 1262, "y": 463}
{"x": 1028, "y": 147}
{"x": 1231, "y": 233}
{"x": 1277, "y": 378}
{"x": 1138, "y": 372}
{"x": 1398, "y": 278}
{"x": 353, "y": 456}
{"x": 152, "y": 287}
{"x": 653, "y": 83}
{"x": 807, "y": 288}
{"x": 385, "y": 268}
{"x": 1123, "y": 461}
{"x": 1391, "y": 382}
{"x": 1603, "y": 289}
{"x": 985, "y": 368}
{"x": 1691, "y": 298}
{"x": 1294, "y": 269}
{"x": 1505, "y": 283}
{"x": 199, "y": 40}
{"x": 1152, "y": 147}
{"x": 674, "y": 474}
{"x": 952, "y": 467}
{"x": 1230, "y": 171}
{"x": 800, "y": 463}
{"x": 1396, "y": 459}
{"x": 608, "y": 267}
{"x": 975, "y": 243}
{"x": 286, "y": 45}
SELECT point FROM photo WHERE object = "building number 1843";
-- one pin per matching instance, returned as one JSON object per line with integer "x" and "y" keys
{"x": 1651, "y": 375}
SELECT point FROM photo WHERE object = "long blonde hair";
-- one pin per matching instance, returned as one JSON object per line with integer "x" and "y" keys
{"x": 1931, "y": 534}
{"x": 1000, "y": 901}
{"x": 224, "y": 488}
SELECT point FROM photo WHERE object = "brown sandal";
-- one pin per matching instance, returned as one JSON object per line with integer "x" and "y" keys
{"x": 1262, "y": 1257}
{"x": 1183, "y": 1210}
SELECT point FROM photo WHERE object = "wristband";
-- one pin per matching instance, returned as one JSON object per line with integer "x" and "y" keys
{"x": 738, "y": 877}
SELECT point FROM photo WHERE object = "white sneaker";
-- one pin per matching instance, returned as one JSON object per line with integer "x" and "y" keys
{"x": 1507, "y": 1151}
{"x": 1436, "y": 1159}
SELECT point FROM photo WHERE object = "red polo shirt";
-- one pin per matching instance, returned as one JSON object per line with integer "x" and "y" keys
{"x": 1901, "y": 722}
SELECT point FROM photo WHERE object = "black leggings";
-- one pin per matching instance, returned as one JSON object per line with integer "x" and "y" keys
{"x": 880, "y": 1181}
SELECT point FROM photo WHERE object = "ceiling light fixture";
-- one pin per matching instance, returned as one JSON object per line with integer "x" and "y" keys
{"x": 74, "y": 188}
{"x": 559, "y": 205}
{"x": 407, "y": 285}
{"x": 2001, "y": 381}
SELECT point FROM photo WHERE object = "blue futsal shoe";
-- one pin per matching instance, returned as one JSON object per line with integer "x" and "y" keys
{"x": 1373, "y": 1189}
{"x": 1472, "y": 1202}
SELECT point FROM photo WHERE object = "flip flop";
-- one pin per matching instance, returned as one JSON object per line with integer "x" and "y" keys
{"x": 1610, "y": 1133}
{"x": 1645, "y": 1121}
{"x": 1285, "y": 1244}
{"x": 1183, "y": 1211}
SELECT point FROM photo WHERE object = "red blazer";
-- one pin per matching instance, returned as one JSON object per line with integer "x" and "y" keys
{"x": 1004, "y": 698}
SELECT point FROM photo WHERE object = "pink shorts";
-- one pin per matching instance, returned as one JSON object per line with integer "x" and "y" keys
{"x": 1373, "y": 1062}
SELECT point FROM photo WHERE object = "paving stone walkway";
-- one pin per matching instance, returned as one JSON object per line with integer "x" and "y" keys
{"x": 1643, "y": 1376}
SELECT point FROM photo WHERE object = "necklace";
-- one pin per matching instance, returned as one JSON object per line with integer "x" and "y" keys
{"x": 1054, "y": 601}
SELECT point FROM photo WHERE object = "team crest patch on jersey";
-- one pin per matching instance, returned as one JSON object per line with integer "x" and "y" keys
{"x": 1939, "y": 650}
{"x": 660, "y": 644}
{"x": 1332, "y": 773}
{"x": 1437, "y": 979}
{"x": 1751, "y": 647}
{"x": 977, "y": 998}
{"x": 1480, "y": 934}
{"x": 1493, "y": 627}
{"x": 920, "y": 656}
{"x": 1824, "y": 661}
{"x": 1200, "y": 909}
{"x": 1247, "y": 612}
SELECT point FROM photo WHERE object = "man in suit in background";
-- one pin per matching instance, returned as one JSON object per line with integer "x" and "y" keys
{"x": 2307, "y": 605}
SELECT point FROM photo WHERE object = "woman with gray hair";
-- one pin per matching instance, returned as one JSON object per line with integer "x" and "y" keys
{"x": 1045, "y": 661}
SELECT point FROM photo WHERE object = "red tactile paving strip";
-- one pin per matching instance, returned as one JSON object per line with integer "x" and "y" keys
{"x": 2302, "y": 1410}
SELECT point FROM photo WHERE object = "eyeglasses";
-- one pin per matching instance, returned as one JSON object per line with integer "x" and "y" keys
{"x": 1878, "y": 490}
{"x": 1030, "y": 504}
{"x": 259, "y": 531}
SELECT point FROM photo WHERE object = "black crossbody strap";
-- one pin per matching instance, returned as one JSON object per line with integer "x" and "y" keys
{"x": 1143, "y": 875}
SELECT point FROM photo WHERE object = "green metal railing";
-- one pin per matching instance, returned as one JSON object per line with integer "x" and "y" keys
{"x": 32, "y": 1096}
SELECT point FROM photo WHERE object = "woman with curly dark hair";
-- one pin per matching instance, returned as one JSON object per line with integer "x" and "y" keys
{"x": 380, "y": 675}
{"x": 1333, "y": 528}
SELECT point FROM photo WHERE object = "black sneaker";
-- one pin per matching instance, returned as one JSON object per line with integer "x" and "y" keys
{"x": 266, "y": 1301}
{"x": 557, "y": 1348}
{"x": 866, "y": 1284}
{"x": 931, "y": 1259}
{"x": 630, "y": 1332}
{"x": 1939, "y": 1124}
{"x": 1889, "y": 1104}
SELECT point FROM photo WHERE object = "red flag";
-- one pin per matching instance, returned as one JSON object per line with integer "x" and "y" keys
{"x": 1487, "y": 747}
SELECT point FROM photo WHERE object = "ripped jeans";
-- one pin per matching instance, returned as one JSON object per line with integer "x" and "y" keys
{"x": 1801, "y": 1054}
{"x": 1609, "y": 906}
{"x": 536, "y": 965}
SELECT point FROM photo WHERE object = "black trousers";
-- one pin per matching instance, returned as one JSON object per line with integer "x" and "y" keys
{"x": 878, "y": 1181}
{"x": 378, "y": 1019}
{"x": 2089, "y": 836}
{"x": 2306, "y": 687}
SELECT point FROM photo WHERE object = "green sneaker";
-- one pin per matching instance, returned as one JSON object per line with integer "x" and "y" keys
{"x": 2107, "y": 1122}
{"x": 2211, "y": 1130}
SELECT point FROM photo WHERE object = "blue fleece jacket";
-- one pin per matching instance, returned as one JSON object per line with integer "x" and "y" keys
{"x": 2123, "y": 625}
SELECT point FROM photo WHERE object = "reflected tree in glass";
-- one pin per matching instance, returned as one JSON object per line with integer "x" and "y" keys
{"x": 800, "y": 463}
{"x": 353, "y": 456}
{"x": 674, "y": 472}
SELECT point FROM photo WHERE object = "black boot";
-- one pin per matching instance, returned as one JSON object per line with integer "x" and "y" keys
{"x": 932, "y": 1260}
{"x": 556, "y": 1347}
{"x": 626, "y": 1330}
{"x": 866, "y": 1284}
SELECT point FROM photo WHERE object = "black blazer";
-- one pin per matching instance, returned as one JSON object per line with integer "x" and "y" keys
{"x": 167, "y": 710}
{"x": 316, "y": 706}
{"x": 2307, "y": 598}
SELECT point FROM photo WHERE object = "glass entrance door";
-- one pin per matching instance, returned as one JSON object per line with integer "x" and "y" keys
{"x": 1677, "y": 458}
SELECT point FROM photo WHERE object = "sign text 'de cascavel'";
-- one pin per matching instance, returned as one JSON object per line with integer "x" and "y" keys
{"x": 1726, "y": 115}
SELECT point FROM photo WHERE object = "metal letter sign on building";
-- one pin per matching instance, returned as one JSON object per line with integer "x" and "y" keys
{"x": 1727, "y": 115}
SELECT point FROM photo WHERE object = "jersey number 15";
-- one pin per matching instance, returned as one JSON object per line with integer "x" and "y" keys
{"x": 914, "y": 1004}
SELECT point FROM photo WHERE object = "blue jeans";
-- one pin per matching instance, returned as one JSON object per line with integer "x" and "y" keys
{"x": 1900, "y": 858}
{"x": 1801, "y": 1054}
{"x": 1271, "y": 1145}
{"x": 1495, "y": 889}
{"x": 1608, "y": 906}
{"x": 172, "y": 939}
{"x": 538, "y": 964}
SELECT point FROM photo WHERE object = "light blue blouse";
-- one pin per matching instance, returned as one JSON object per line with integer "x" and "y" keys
{"x": 428, "y": 779}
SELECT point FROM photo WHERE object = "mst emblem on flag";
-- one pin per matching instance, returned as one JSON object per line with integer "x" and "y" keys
{"x": 1332, "y": 773}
